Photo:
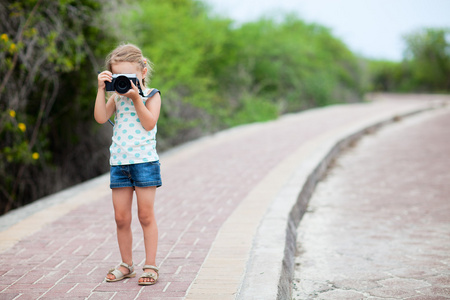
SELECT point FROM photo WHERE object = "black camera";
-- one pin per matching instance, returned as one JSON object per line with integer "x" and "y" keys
{"x": 121, "y": 83}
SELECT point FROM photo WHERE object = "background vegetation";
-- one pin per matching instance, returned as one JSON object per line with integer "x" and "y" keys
{"x": 212, "y": 75}
{"x": 425, "y": 67}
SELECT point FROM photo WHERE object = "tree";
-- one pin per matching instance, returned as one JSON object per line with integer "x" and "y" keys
{"x": 428, "y": 57}
{"x": 215, "y": 75}
{"x": 212, "y": 75}
{"x": 44, "y": 47}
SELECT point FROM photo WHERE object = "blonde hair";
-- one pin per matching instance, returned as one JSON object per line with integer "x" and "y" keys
{"x": 129, "y": 53}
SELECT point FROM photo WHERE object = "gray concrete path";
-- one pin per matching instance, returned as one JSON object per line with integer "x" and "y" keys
{"x": 224, "y": 214}
{"x": 378, "y": 226}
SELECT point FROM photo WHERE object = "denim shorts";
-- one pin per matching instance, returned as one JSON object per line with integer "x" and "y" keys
{"x": 140, "y": 175}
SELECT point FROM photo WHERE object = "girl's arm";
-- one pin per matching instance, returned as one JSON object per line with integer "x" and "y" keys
{"x": 103, "y": 111}
{"x": 148, "y": 113}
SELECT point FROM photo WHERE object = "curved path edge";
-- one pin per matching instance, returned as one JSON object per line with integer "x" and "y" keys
{"x": 254, "y": 250}
{"x": 270, "y": 247}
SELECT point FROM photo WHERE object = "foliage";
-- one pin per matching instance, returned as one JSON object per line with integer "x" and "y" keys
{"x": 44, "y": 45}
{"x": 295, "y": 64}
{"x": 187, "y": 46}
{"x": 386, "y": 76}
{"x": 428, "y": 59}
{"x": 214, "y": 75}
{"x": 425, "y": 68}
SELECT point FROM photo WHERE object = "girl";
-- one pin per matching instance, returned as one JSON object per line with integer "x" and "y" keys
{"x": 134, "y": 161}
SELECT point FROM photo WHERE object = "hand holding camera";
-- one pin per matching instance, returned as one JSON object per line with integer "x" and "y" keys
{"x": 103, "y": 77}
{"x": 124, "y": 84}
{"x": 121, "y": 83}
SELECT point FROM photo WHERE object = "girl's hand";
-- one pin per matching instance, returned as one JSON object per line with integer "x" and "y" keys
{"x": 132, "y": 93}
{"x": 102, "y": 77}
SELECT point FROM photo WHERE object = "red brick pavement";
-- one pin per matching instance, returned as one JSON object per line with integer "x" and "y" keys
{"x": 69, "y": 258}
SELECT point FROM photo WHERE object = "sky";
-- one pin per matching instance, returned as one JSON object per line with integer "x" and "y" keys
{"x": 371, "y": 28}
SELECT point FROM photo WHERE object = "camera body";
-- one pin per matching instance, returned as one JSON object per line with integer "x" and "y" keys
{"x": 121, "y": 83}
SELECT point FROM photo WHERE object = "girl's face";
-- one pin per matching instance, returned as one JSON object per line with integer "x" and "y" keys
{"x": 125, "y": 67}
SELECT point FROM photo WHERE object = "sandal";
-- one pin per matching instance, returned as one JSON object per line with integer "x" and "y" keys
{"x": 119, "y": 275}
{"x": 149, "y": 275}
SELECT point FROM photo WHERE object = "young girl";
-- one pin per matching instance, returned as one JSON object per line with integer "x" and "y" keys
{"x": 134, "y": 161}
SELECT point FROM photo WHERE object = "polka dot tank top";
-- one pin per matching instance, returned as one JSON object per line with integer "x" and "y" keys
{"x": 131, "y": 143}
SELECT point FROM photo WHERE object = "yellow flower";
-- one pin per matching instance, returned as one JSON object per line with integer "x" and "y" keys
{"x": 35, "y": 156}
{"x": 12, "y": 113}
{"x": 22, "y": 127}
{"x": 12, "y": 48}
{"x": 4, "y": 37}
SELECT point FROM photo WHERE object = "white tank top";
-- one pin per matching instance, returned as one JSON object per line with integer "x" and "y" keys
{"x": 131, "y": 143}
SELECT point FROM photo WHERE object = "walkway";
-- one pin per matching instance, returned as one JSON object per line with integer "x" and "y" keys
{"x": 378, "y": 226}
{"x": 225, "y": 214}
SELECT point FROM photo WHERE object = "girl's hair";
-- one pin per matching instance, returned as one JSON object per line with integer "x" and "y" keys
{"x": 129, "y": 53}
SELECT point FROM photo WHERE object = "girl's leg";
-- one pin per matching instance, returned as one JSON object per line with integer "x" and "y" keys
{"x": 146, "y": 200}
{"x": 122, "y": 201}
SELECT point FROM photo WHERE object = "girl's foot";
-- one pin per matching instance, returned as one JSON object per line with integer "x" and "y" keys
{"x": 150, "y": 275}
{"x": 122, "y": 271}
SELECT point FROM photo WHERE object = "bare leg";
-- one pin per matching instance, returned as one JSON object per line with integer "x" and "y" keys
{"x": 122, "y": 201}
{"x": 146, "y": 200}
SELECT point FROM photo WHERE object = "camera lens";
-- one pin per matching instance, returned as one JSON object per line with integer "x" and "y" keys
{"x": 122, "y": 84}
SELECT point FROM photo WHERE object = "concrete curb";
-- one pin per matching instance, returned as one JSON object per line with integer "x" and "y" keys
{"x": 19, "y": 214}
{"x": 25, "y": 221}
{"x": 274, "y": 250}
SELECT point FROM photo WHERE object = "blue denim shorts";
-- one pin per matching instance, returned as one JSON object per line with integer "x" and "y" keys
{"x": 140, "y": 175}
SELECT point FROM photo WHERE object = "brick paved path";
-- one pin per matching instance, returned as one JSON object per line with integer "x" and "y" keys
{"x": 378, "y": 227}
{"x": 69, "y": 255}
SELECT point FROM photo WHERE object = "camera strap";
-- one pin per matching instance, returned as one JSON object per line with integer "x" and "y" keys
{"x": 151, "y": 94}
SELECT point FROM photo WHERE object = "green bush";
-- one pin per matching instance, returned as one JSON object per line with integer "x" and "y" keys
{"x": 425, "y": 67}
{"x": 212, "y": 74}
{"x": 428, "y": 59}
{"x": 47, "y": 81}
